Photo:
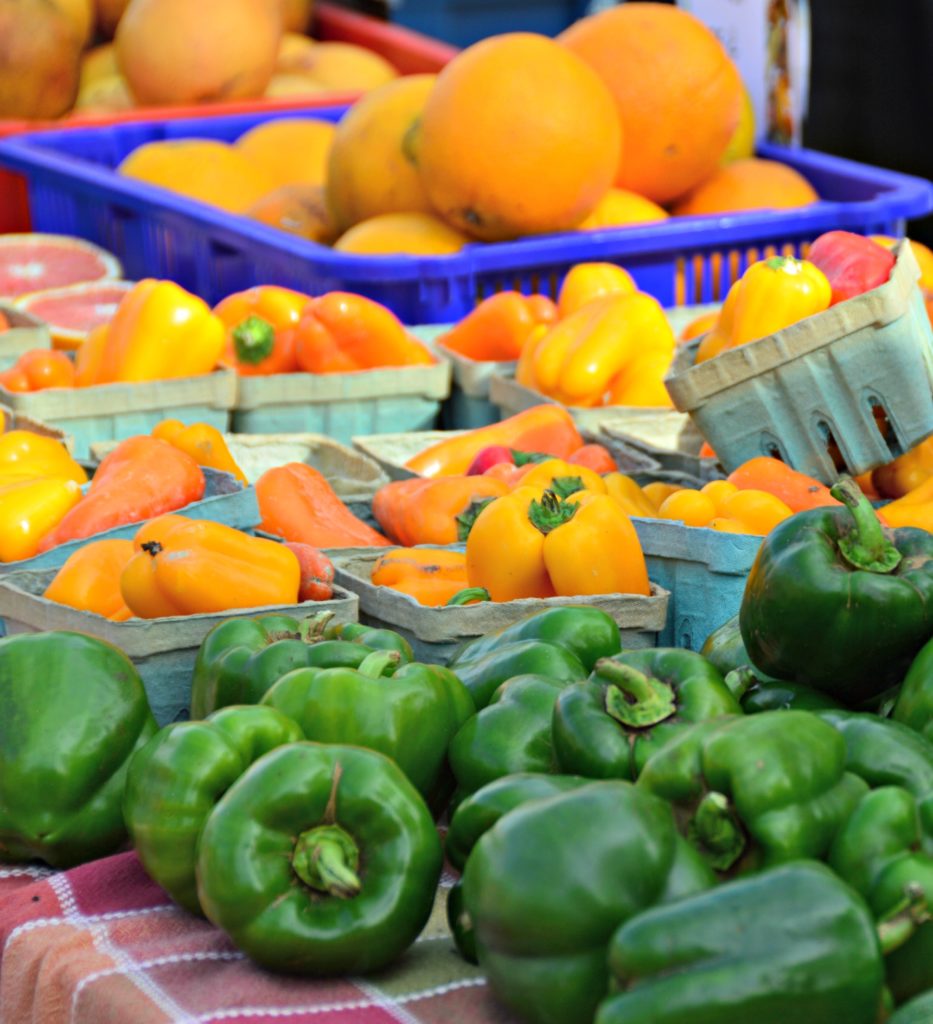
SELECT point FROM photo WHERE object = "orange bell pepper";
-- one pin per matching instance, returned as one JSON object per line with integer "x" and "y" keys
{"x": 702, "y": 324}
{"x": 141, "y": 478}
{"x": 431, "y": 576}
{"x": 29, "y": 509}
{"x": 203, "y": 442}
{"x": 594, "y": 456}
{"x": 797, "y": 490}
{"x": 27, "y": 456}
{"x": 90, "y": 579}
{"x": 297, "y": 503}
{"x": 159, "y": 332}
{"x": 719, "y": 333}
{"x": 906, "y": 472}
{"x": 340, "y": 332}
{"x": 543, "y": 428}
{"x": 433, "y": 511}
{"x": 587, "y": 282}
{"x": 498, "y": 328}
{"x": 259, "y": 322}
{"x": 196, "y": 567}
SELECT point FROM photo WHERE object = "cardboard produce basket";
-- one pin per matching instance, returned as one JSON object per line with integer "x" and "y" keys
{"x": 670, "y": 440}
{"x": 436, "y": 633}
{"x": 13, "y": 420}
{"x": 25, "y": 332}
{"x": 163, "y": 650}
{"x": 112, "y": 412}
{"x": 342, "y": 404}
{"x": 845, "y": 390}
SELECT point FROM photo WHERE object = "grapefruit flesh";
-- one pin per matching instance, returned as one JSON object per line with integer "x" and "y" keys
{"x": 73, "y": 312}
{"x": 31, "y": 263}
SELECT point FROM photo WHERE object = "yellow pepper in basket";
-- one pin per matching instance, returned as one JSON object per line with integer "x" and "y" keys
{"x": 28, "y": 456}
{"x": 587, "y": 282}
{"x": 204, "y": 443}
{"x": 29, "y": 509}
{"x": 563, "y": 478}
{"x": 631, "y": 498}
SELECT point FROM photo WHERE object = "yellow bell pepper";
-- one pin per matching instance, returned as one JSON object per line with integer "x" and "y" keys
{"x": 587, "y": 282}
{"x": 192, "y": 567}
{"x": 27, "y": 456}
{"x": 563, "y": 478}
{"x": 641, "y": 383}
{"x": 159, "y": 332}
{"x": 630, "y": 497}
{"x": 656, "y": 492}
{"x": 596, "y": 551}
{"x": 204, "y": 443}
{"x": 90, "y": 357}
{"x": 505, "y": 550}
{"x": 29, "y": 510}
{"x": 776, "y": 293}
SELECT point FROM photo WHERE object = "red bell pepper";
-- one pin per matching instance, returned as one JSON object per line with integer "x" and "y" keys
{"x": 852, "y": 263}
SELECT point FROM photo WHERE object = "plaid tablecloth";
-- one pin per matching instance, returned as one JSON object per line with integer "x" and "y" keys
{"x": 103, "y": 945}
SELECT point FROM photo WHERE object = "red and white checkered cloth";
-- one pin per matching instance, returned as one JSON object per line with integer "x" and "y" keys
{"x": 102, "y": 944}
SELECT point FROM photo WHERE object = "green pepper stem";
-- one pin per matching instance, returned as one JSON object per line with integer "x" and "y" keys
{"x": 327, "y": 859}
{"x": 564, "y": 486}
{"x": 467, "y": 518}
{"x": 717, "y": 830}
{"x": 375, "y": 664}
{"x": 550, "y": 512}
{"x": 632, "y": 698}
{"x": 865, "y": 545}
{"x": 466, "y": 596}
{"x": 902, "y": 922}
{"x": 741, "y": 680}
{"x": 312, "y": 628}
{"x": 521, "y": 458}
{"x": 253, "y": 340}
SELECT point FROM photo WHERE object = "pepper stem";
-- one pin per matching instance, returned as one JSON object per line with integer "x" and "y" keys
{"x": 312, "y": 628}
{"x": 550, "y": 512}
{"x": 375, "y": 664}
{"x": 151, "y": 547}
{"x": 467, "y": 596}
{"x": 718, "y": 831}
{"x": 327, "y": 859}
{"x": 901, "y": 923}
{"x": 740, "y": 680}
{"x": 632, "y": 698}
{"x": 865, "y": 545}
{"x": 253, "y": 340}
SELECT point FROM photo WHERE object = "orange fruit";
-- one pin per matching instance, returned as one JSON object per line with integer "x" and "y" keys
{"x": 379, "y": 132}
{"x": 751, "y": 184}
{"x": 619, "y": 207}
{"x": 182, "y": 51}
{"x": 337, "y": 65}
{"x": 109, "y": 13}
{"x": 742, "y": 144}
{"x": 518, "y": 137}
{"x": 298, "y": 209}
{"x": 296, "y": 14}
{"x": 104, "y": 95}
{"x": 416, "y": 234}
{"x": 201, "y": 169}
{"x": 678, "y": 95}
{"x": 291, "y": 151}
{"x": 101, "y": 62}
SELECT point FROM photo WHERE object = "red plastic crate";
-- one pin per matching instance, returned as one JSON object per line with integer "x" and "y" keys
{"x": 410, "y": 52}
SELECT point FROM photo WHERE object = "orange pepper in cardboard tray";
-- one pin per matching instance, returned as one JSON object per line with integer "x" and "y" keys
{"x": 90, "y": 357}
{"x": 259, "y": 322}
{"x": 90, "y": 579}
{"x": 587, "y": 282}
{"x": 159, "y": 332}
{"x": 433, "y": 577}
{"x": 906, "y": 472}
{"x": 194, "y": 567}
{"x": 141, "y": 478}
{"x": 29, "y": 509}
{"x": 203, "y": 442}
{"x": 545, "y": 428}
{"x": 797, "y": 490}
{"x": 340, "y": 332}
{"x": 498, "y": 328}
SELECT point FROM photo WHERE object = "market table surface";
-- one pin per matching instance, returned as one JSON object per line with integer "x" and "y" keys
{"x": 102, "y": 944}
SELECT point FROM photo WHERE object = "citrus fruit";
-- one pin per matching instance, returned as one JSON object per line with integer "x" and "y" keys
{"x": 414, "y": 234}
{"x": 291, "y": 150}
{"x": 74, "y": 311}
{"x": 34, "y": 262}
{"x": 752, "y": 184}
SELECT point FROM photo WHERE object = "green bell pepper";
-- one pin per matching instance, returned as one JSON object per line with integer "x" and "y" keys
{"x": 371, "y": 637}
{"x": 902, "y": 897}
{"x": 914, "y": 705}
{"x": 72, "y": 712}
{"x": 631, "y": 706}
{"x": 320, "y": 860}
{"x": 725, "y": 649}
{"x": 917, "y": 1011}
{"x": 547, "y": 886}
{"x": 838, "y": 602}
{"x": 791, "y": 944}
{"x": 410, "y": 716}
{"x": 756, "y": 791}
{"x": 240, "y": 659}
{"x": 176, "y": 779}
{"x": 775, "y": 696}
{"x": 511, "y": 734}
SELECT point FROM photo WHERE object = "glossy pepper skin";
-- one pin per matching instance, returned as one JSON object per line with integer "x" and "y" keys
{"x": 853, "y": 264}
{"x": 160, "y": 331}
{"x": 410, "y": 715}
{"x": 914, "y": 705}
{"x": 578, "y": 865}
{"x": 757, "y": 791}
{"x": 203, "y": 442}
{"x": 257, "y": 323}
{"x": 511, "y": 734}
{"x": 631, "y": 706}
{"x": 499, "y": 326}
{"x": 239, "y": 660}
{"x": 917, "y": 1011}
{"x": 64, "y": 749}
{"x": 791, "y": 944}
{"x": 90, "y": 579}
{"x": 25, "y": 456}
{"x": 32, "y": 510}
{"x": 838, "y": 602}
{"x": 320, "y": 860}
{"x": 176, "y": 779}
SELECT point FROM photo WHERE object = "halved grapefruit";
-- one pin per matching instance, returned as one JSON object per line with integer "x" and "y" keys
{"x": 35, "y": 262}
{"x": 71, "y": 313}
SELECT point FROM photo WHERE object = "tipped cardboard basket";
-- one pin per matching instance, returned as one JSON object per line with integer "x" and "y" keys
{"x": 848, "y": 389}
{"x": 25, "y": 332}
{"x": 342, "y": 404}
{"x": 163, "y": 650}
{"x": 113, "y": 412}
{"x": 436, "y": 633}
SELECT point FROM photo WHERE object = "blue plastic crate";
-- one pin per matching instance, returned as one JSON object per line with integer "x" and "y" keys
{"x": 463, "y": 22}
{"x": 74, "y": 189}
